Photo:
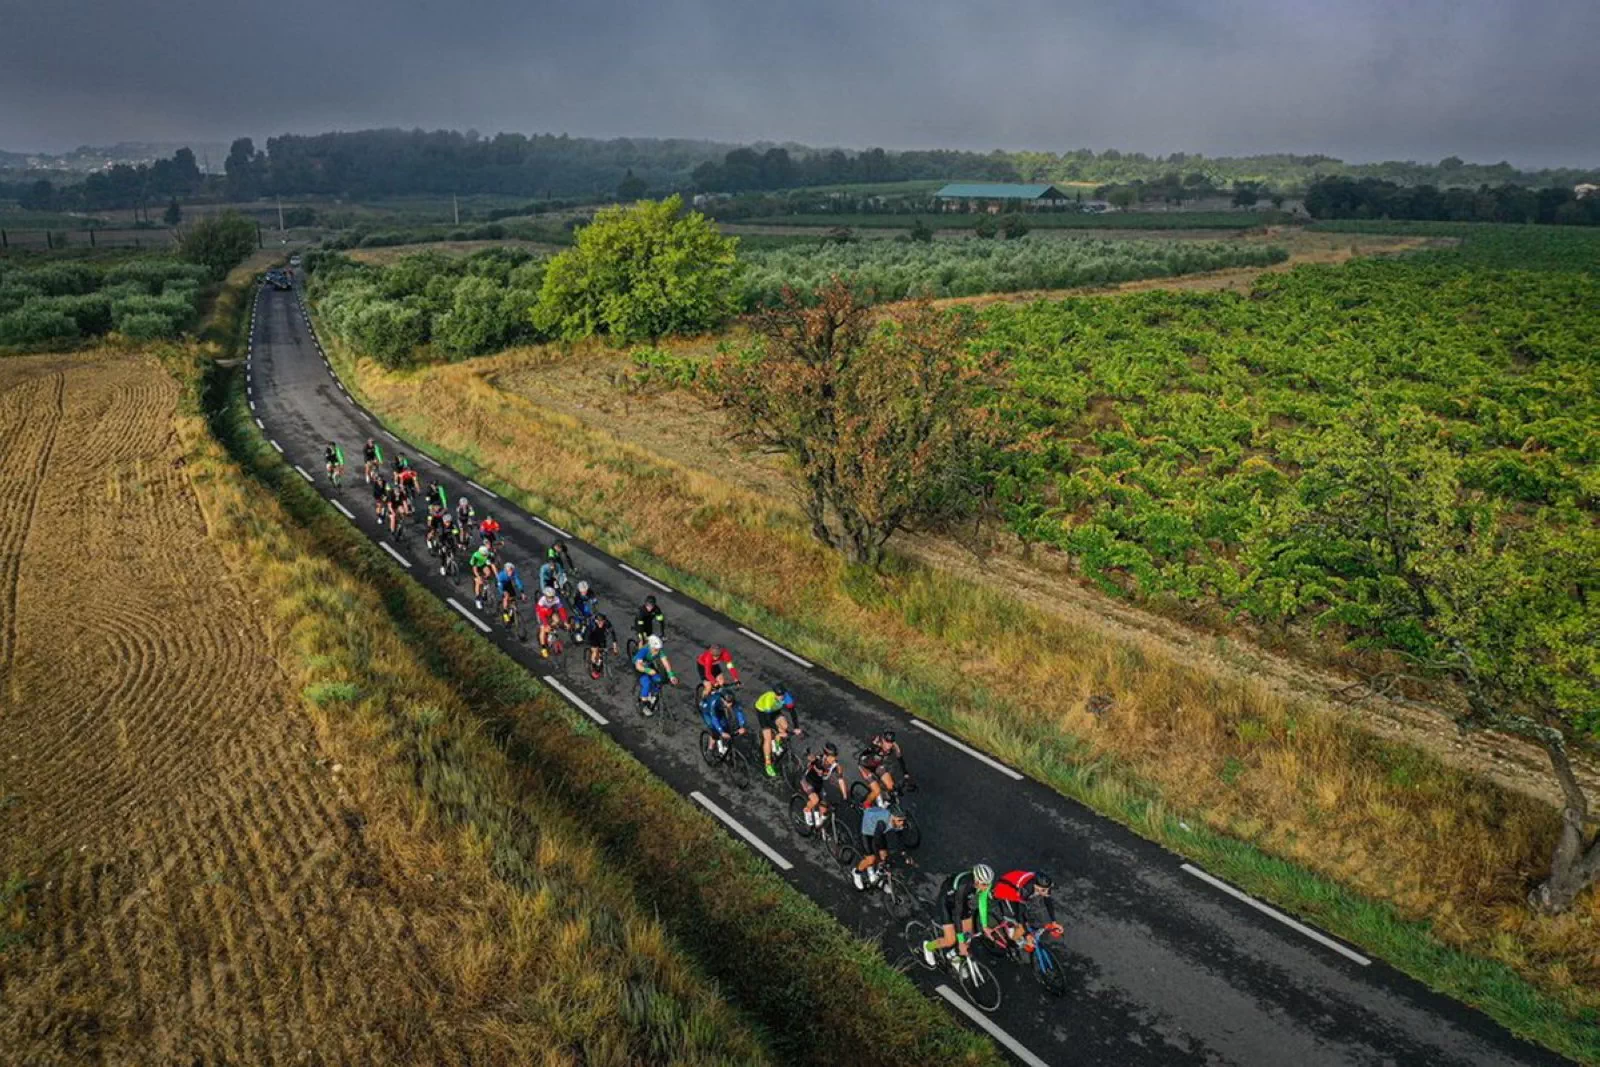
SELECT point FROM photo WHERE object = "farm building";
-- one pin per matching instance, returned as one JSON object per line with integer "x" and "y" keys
{"x": 993, "y": 196}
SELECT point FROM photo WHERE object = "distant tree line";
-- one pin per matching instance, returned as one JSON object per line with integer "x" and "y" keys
{"x": 1373, "y": 198}
{"x": 392, "y": 162}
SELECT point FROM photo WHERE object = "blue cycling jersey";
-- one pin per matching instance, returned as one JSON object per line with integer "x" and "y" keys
{"x": 718, "y": 719}
{"x": 509, "y": 582}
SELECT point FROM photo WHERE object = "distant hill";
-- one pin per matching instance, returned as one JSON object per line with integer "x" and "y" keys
{"x": 86, "y": 159}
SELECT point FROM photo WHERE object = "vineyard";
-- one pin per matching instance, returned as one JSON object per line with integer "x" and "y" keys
{"x": 60, "y": 302}
{"x": 892, "y": 270}
{"x": 1189, "y": 440}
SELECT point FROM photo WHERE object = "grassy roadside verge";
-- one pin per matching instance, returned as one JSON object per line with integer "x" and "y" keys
{"x": 1379, "y": 843}
{"x": 812, "y": 989}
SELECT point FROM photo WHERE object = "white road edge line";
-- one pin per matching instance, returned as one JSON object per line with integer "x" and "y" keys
{"x": 252, "y": 405}
{"x": 277, "y": 446}
{"x": 387, "y": 547}
{"x": 577, "y": 700}
{"x": 779, "y": 649}
{"x": 430, "y": 459}
{"x": 738, "y": 828}
{"x": 550, "y": 526}
{"x": 369, "y": 418}
{"x": 260, "y": 424}
{"x": 470, "y": 617}
{"x": 343, "y": 510}
{"x": 968, "y": 749}
{"x": 646, "y": 577}
{"x": 303, "y": 474}
{"x": 1012, "y": 1045}
{"x": 1293, "y": 924}
{"x": 481, "y": 489}
{"x": 391, "y": 437}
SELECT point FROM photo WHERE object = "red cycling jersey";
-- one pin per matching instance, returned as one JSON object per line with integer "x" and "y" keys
{"x": 710, "y": 665}
{"x": 1011, "y": 884}
{"x": 489, "y": 527}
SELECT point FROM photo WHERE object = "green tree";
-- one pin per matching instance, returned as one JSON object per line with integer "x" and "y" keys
{"x": 174, "y": 214}
{"x": 1246, "y": 194}
{"x": 920, "y": 231}
{"x": 219, "y": 242}
{"x": 1123, "y": 197}
{"x": 1014, "y": 226}
{"x": 639, "y": 273}
{"x": 631, "y": 188}
{"x": 984, "y": 227}
{"x": 888, "y": 422}
{"x": 1508, "y": 612}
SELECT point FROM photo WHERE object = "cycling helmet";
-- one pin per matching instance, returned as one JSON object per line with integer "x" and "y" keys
{"x": 650, "y": 601}
{"x": 830, "y": 749}
{"x": 548, "y": 591}
{"x": 583, "y": 587}
{"x": 887, "y": 736}
{"x": 511, "y": 568}
{"x": 654, "y": 643}
{"x": 983, "y": 874}
{"x": 1042, "y": 880}
{"x": 462, "y": 503}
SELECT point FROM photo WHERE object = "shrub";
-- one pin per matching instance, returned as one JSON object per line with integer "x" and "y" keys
{"x": 148, "y": 326}
{"x": 36, "y": 322}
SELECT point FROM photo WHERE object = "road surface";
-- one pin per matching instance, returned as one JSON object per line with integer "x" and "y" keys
{"x": 1166, "y": 965}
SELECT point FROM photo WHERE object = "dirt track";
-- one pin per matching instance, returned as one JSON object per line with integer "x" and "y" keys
{"x": 200, "y": 888}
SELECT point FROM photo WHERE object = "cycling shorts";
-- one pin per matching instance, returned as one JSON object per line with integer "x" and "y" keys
{"x": 948, "y": 909}
{"x": 768, "y": 720}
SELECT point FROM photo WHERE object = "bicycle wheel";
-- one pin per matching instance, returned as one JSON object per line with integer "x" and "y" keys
{"x": 917, "y": 933}
{"x": 833, "y": 838}
{"x": 790, "y": 767}
{"x": 738, "y": 767}
{"x": 708, "y": 749}
{"x": 978, "y": 984}
{"x": 911, "y": 835}
{"x": 519, "y": 625}
{"x": 897, "y": 897}
{"x": 1047, "y": 972}
{"x": 633, "y": 647}
{"x": 858, "y": 793}
{"x": 797, "y": 816}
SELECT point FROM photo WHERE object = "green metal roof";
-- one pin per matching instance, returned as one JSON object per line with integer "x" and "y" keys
{"x": 997, "y": 191}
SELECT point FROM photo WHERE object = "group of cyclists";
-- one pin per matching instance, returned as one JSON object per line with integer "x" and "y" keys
{"x": 971, "y": 902}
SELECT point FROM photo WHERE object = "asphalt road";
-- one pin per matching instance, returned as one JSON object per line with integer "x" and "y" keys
{"x": 1165, "y": 966}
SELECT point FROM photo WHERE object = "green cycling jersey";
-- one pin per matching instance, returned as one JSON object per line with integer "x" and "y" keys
{"x": 769, "y": 702}
{"x": 480, "y": 558}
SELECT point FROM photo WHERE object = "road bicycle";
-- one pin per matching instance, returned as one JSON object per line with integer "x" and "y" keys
{"x": 554, "y": 648}
{"x": 1029, "y": 946}
{"x": 974, "y": 977}
{"x": 450, "y": 566}
{"x": 832, "y": 835}
{"x": 894, "y": 884}
{"x": 730, "y": 755}
{"x": 513, "y": 620}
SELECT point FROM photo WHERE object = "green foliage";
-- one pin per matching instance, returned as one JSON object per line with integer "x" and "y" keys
{"x": 34, "y": 323}
{"x": 894, "y": 270}
{"x": 219, "y": 242}
{"x": 174, "y": 214}
{"x": 920, "y": 232}
{"x": 1015, "y": 226}
{"x": 147, "y": 326}
{"x": 640, "y": 273}
{"x": 96, "y": 298}
{"x": 462, "y": 306}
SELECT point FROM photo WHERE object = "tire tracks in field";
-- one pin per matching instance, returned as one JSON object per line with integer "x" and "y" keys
{"x": 14, "y": 536}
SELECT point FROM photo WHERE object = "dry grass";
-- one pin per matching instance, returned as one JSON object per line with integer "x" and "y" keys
{"x": 1389, "y": 821}
{"x": 223, "y": 796}
{"x": 385, "y": 256}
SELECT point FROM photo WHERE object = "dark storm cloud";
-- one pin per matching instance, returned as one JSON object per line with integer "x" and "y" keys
{"x": 1484, "y": 79}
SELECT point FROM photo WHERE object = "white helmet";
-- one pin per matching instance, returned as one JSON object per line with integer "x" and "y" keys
{"x": 654, "y": 643}
{"x": 547, "y": 591}
{"x": 983, "y": 874}
{"x": 583, "y": 587}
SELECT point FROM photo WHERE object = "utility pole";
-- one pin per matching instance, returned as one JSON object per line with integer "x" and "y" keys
{"x": 280, "y": 214}
{"x": 456, "y": 205}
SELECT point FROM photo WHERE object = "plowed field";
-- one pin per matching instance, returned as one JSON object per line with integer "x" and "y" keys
{"x": 200, "y": 887}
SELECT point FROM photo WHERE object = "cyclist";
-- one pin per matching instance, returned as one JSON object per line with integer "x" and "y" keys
{"x": 584, "y": 605}
{"x": 649, "y": 620}
{"x": 481, "y": 563}
{"x": 650, "y": 661}
{"x": 887, "y": 838}
{"x": 723, "y": 718}
{"x": 380, "y": 496}
{"x": 449, "y": 543}
{"x": 435, "y": 524}
{"x": 372, "y": 460}
{"x": 395, "y": 506}
{"x": 551, "y": 574}
{"x": 1027, "y": 898}
{"x": 963, "y": 898}
{"x": 716, "y": 669}
{"x": 407, "y": 477}
{"x": 333, "y": 458}
{"x": 510, "y": 583}
{"x": 600, "y": 636}
{"x": 557, "y": 554}
{"x": 889, "y": 751}
{"x": 463, "y": 516}
{"x": 548, "y": 609}
{"x": 775, "y": 715}
{"x": 822, "y": 768}
{"x": 437, "y": 494}
{"x": 489, "y": 529}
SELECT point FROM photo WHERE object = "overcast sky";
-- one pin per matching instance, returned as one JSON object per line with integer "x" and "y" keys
{"x": 1359, "y": 79}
